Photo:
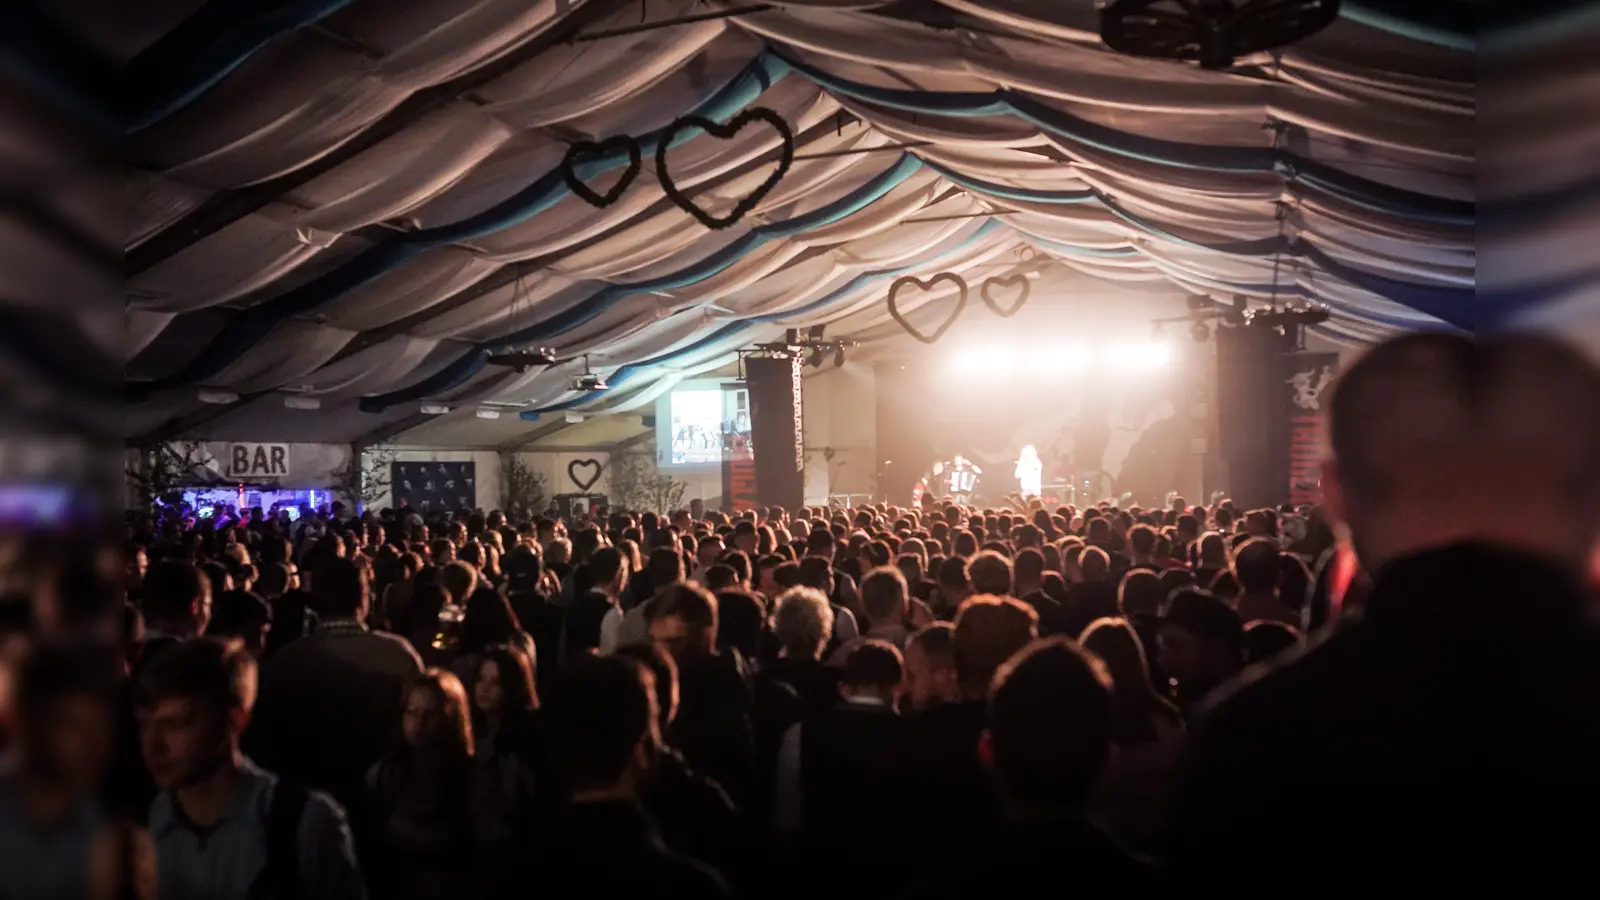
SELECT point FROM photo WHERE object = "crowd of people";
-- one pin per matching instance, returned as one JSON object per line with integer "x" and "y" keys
{"x": 875, "y": 702}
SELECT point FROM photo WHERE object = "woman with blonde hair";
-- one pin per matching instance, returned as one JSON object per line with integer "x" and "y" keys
{"x": 1147, "y": 731}
{"x": 419, "y": 797}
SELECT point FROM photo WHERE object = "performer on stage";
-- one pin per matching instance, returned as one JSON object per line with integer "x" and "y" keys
{"x": 1030, "y": 472}
{"x": 963, "y": 479}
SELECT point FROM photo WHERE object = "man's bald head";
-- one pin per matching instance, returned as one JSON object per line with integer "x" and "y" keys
{"x": 1440, "y": 438}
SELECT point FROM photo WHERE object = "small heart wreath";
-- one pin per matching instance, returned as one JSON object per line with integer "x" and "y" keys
{"x": 734, "y": 126}
{"x": 903, "y": 281}
{"x": 574, "y": 465}
{"x": 581, "y": 149}
{"x": 1004, "y": 281}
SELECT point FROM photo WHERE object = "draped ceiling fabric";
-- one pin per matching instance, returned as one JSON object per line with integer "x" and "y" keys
{"x": 379, "y": 184}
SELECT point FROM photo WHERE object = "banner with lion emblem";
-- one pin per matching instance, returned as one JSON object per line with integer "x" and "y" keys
{"x": 1311, "y": 376}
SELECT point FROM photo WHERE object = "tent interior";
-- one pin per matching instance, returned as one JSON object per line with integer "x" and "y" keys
{"x": 343, "y": 217}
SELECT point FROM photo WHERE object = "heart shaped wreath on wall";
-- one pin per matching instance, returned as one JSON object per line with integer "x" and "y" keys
{"x": 725, "y": 132}
{"x": 582, "y": 151}
{"x": 595, "y": 467}
{"x": 909, "y": 281}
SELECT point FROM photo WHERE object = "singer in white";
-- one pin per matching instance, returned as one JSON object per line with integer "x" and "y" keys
{"x": 1030, "y": 472}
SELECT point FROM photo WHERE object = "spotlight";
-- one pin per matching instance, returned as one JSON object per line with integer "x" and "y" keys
{"x": 1073, "y": 358}
{"x": 968, "y": 362}
{"x": 838, "y": 357}
{"x": 1200, "y": 332}
{"x": 1044, "y": 363}
{"x": 791, "y": 336}
{"x": 814, "y": 358}
{"x": 814, "y": 333}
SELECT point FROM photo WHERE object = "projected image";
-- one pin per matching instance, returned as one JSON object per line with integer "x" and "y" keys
{"x": 696, "y": 427}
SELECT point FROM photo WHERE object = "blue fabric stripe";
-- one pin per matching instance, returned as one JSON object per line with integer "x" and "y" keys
{"x": 1147, "y": 149}
{"x": 192, "y": 58}
{"x": 855, "y": 284}
{"x": 1385, "y": 20}
{"x": 584, "y": 311}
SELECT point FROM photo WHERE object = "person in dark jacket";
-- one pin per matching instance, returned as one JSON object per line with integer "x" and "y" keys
{"x": 602, "y": 844}
{"x": 1049, "y": 734}
{"x": 1449, "y": 734}
{"x": 713, "y": 727}
{"x": 988, "y": 630}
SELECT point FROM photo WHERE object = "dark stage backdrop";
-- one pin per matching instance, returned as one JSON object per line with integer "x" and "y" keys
{"x": 1129, "y": 433}
{"x": 1269, "y": 416}
{"x": 434, "y": 486}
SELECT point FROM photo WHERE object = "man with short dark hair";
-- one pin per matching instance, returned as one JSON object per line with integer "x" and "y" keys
{"x": 987, "y": 631}
{"x": 330, "y": 700}
{"x": 176, "y": 599}
{"x": 952, "y": 588}
{"x": 930, "y": 668}
{"x": 1201, "y": 645}
{"x": 884, "y": 599}
{"x": 713, "y": 727}
{"x": 1048, "y": 739}
{"x": 223, "y": 827}
{"x": 1258, "y": 569}
{"x": 594, "y": 621}
{"x": 991, "y": 574}
{"x": 1464, "y": 696}
{"x": 663, "y": 570}
{"x": 844, "y": 773}
{"x": 603, "y": 732}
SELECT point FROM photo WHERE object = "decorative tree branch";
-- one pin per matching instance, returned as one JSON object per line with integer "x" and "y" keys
{"x": 365, "y": 479}
{"x": 161, "y": 470}
{"x": 637, "y": 484}
{"x": 522, "y": 490}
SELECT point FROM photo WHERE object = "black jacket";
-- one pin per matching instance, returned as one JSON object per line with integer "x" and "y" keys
{"x": 614, "y": 850}
{"x": 1448, "y": 734}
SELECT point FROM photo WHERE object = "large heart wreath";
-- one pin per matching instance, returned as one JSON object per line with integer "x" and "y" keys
{"x": 723, "y": 132}
{"x": 961, "y": 303}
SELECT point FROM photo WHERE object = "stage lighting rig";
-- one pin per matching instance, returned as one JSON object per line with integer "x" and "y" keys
{"x": 812, "y": 347}
{"x": 523, "y": 360}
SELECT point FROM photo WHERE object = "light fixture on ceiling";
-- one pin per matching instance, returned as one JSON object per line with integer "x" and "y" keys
{"x": 218, "y": 396}
{"x": 301, "y": 401}
{"x": 434, "y": 409}
{"x": 589, "y": 381}
{"x": 484, "y": 413}
{"x": 523, "y": 360}
{"x": 1213, "y": 33}
{"x": 838, "y": 357}
{"x": 814, "y": 358}
{"x": 574, "y": 418}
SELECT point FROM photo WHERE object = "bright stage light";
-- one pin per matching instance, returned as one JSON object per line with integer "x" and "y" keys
{"x": 969, "y": 362}
{"x": 1136, "y": 356}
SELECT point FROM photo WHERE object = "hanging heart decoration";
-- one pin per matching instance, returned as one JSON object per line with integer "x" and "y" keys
{"x": 580, "y": 151}
{"x": 724, "y": 132}
{"x": 591, "y": 464}
{"x": 906, "y": 280}
{"x": 1019, "y": 279}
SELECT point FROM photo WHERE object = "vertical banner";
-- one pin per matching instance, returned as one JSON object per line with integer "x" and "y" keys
{"x": 738, "y": 451}
{"x": 1310, "y": 375}
{"x": 778, "y": 425}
